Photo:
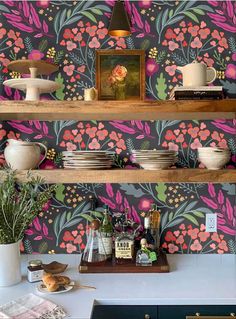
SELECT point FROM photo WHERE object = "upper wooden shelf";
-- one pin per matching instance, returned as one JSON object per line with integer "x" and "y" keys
{"x": 117, "y": 110}
{"x": 131, "y": 176}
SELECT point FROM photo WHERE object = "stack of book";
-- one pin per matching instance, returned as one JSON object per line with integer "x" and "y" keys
{"x": 197, "y": 93}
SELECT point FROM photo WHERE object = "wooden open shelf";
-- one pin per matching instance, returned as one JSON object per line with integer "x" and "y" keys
{"x": 131, "y": 176}
{"x": 117, "y": 110}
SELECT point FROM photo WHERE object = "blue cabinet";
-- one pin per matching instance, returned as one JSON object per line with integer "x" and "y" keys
{"x": 124, "y": 312}
{"x": 160, "y": 312}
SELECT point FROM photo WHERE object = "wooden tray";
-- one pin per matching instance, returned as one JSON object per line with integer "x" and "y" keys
{"x": 109, "y": 266}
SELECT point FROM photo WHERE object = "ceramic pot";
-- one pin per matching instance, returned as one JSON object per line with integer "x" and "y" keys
{"x": 90, "y": 94}
{"x": 24, "y": 155}
{"x": 197, "y": 74}
{"x": 10, "y": 267}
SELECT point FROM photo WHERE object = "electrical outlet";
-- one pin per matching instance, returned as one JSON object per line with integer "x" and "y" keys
{"x": 211, "y": 223}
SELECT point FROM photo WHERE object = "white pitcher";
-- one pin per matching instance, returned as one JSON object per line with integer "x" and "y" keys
{"x": 197, "y": 74}
{"x": 24, "y": 155}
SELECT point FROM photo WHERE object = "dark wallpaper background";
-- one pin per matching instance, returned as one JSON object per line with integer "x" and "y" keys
{"x": 172, "y": 33}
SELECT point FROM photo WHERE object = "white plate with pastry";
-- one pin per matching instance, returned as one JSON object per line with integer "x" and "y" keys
{"x": 61, "y": 289}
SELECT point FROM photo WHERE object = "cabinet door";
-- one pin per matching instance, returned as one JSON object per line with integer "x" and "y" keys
{"x": 124, "y": 312}
{"x": 181, "y": 312}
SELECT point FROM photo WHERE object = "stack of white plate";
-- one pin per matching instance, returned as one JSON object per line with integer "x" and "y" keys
{"x": 87, "y": 159}
{"x": 154, "y": 159}
{"x": 213, "y": 157}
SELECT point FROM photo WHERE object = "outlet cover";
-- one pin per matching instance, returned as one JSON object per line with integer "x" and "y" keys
{"x": 211, "y": 223}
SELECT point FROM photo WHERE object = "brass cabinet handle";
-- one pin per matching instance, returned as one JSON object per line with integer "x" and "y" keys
{"x": 147, "y": 316}
{"x": 198, "y": 316}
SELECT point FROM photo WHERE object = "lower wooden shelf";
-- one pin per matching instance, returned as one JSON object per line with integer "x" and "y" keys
{"x": 187, "y": 175}
{"x": 109, "y": 266}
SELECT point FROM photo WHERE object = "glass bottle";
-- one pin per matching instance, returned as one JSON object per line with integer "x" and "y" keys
{"x": 124, "y": 244}
{"x": 155, "y": 225}
{"x": 142, "y": 256}
{"x": 147, "y": 232}
{"x": 91, "y": 252}
{"x": 106, "y": 230}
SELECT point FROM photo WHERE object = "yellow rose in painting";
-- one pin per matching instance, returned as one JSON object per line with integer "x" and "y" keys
{"x": 119, "y": 72}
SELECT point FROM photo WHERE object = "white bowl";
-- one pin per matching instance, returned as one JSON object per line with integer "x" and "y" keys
{"x": 214, "y": 162}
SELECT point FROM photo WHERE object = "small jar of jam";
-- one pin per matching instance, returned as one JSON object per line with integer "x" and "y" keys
{"x": 35, "y": 270}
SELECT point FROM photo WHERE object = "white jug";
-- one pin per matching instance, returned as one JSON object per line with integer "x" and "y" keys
{"x": 24, "y": 155}
{"x": 197, "y": 74}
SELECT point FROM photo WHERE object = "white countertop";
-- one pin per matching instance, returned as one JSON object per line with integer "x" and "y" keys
{"x": 194, "y": 279}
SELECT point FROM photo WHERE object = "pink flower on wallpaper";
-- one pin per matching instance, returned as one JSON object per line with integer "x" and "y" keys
{"x": 196, "y": 246}
{"x": 69, "y": 69}
{"x": 172, "y": 248}
{"x": 70, "y": 248}
{"x": 151, "y": 67}
{"x": 94, "y": 145}
{"x": 70, "y": 45}
{"x": 94, "y": 44}
{"x": 230, "y": 72}
{"x": 145, "y": 4}
{"x": 173, "y": 45}
{"x": 196, "y": 43}
{"x": 43, "y": 3}
{"x": 145, "y": 204}
{"x": 196, "y": 144}
{"x": 102, "y": 33}
{"x": 35, "y": 55}
{"x": 171, "y": 69}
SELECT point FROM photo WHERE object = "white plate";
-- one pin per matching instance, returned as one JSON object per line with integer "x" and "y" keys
{"x": 45, "y": 291}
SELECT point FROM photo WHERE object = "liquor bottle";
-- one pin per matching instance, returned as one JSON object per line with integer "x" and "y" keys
{"x": 142, "y": 256}
{"x": 124, "y": 244}
{"x": 91, "y": 252}
{"x": 106, "y": 231}
{"x": 155, "y": 225}
{"x": 147, "y": 232}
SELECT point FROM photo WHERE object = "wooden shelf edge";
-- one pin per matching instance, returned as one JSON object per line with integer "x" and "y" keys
{"x": 70, "y": 176}
{"x": 117, "y": 110}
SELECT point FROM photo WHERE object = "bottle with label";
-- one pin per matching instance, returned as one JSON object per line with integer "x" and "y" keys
{"x": 106, "y": 231}
{"x": 124, "y": 244}
{"x": 142, "y": 256}
{"x": 147, "y": 233}
{"x": 155, "y": 225}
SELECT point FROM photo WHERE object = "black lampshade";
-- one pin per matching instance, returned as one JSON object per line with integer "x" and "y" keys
{"x": 119, "y": 25}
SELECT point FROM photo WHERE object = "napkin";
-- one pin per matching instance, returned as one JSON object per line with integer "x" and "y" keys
{"x": 31, "y": 306}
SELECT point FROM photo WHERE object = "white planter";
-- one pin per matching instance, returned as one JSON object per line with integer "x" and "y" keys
{"x": 10, "y": 267}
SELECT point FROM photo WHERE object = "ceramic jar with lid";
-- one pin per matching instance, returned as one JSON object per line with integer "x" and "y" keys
{"x": 35, "y": 270}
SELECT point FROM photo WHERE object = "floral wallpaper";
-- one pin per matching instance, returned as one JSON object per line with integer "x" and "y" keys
{"x": 173, "y": 33}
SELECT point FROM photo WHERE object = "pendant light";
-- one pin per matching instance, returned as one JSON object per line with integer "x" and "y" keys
{"x": 119, "y": 25}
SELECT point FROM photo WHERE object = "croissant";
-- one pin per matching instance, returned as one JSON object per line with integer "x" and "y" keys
{"x": 52, "y": 283}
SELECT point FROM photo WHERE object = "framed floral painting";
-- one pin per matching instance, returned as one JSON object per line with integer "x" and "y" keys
{"x": 120, "y": 74}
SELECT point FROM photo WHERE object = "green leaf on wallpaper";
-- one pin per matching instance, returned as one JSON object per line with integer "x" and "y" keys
{"x": 89, "y": 15}
{"x": 191, "y": 219}
{"x": 145, "y": 145}
{"x": 161, "y": 87}
{"x": 94, "y": 122}
{"x": 59, "y": 55}
{"x": 68, "y": 14}
{"x": 28, "y": 246}
{"x": 59, "y": 193}
{"x": 130, "y": 189}
{"x": 198, "y": 214}
{"x": 68, "y": 216}
{"x": 171, "y": 13}
{"x": 145, "y": 44}
{"x": 87, "y": 217}
{"x": 43, "y": 45}
{"x": 161, "y": 191}
{"x": 60, "y": 93}
{"x": 97, "y": 11}
{"x": 43, "y": 247}
{"x": 199, "y": 11}
{"x": 4, "y": 9}
{"x": 232, "y": 246}
{"x": 195, "y": 121}
{"x": 191, "y": 16}
{"x": 170, "y": 217}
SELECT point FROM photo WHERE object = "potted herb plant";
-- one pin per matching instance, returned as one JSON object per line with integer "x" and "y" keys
{"x": 19, "y": 205}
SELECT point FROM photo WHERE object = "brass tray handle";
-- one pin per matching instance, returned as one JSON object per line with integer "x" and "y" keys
{"x": 198, "y": 316}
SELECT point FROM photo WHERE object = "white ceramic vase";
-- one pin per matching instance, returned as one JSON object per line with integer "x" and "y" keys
{"x": 10, "y": 266}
